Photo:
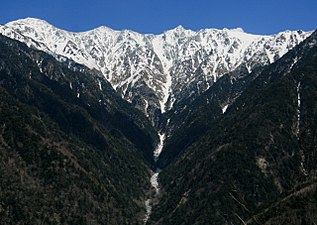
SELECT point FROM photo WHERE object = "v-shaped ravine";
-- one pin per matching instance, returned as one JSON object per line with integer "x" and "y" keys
{"x": 154, "y": 179}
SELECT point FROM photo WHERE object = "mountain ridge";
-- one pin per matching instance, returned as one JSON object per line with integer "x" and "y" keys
{"x": 154, "y": 72}
{"x": 235, "y": 148}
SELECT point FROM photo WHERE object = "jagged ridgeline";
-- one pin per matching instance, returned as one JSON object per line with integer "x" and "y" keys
{"x": 155, "y": 72}
{"x": 72, "y": 151}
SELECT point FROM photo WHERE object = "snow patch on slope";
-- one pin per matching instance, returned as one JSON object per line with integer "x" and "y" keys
{"x": 159, "y": 148}
{"x": 298, "y": 109}
{"x": 167, "y": 63}
{"x": 224, "y": 108}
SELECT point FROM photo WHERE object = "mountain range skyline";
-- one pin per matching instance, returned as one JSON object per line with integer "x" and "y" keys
{"x": 164, "y": 65}
{"x": 112, "y": 126}
{"x": 156, "y": 17}
{"x": 68, "y": 136}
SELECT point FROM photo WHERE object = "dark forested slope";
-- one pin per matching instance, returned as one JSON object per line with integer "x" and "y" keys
{"x": 72, "y": 151}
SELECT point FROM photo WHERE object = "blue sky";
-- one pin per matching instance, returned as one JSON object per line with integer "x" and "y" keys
{"x": 156, "y": 16}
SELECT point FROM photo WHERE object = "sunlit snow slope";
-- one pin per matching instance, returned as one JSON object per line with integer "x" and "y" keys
{"x": 154, "y": 72}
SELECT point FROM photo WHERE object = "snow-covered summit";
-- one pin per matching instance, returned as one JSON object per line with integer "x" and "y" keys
{"x": 155, "y": 71}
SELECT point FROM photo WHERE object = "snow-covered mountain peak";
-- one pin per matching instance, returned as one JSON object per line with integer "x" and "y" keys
{"x": 179, "y": 29}
{"x": 154, "y": 72}
{"x": 102, "y": 30}
{"x": 30, "y": 20}
{"x": 238, "y": 30}
{"x": 179, "y": 32}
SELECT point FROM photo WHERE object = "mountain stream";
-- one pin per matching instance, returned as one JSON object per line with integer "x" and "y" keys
{"x": 154, "y": 178}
